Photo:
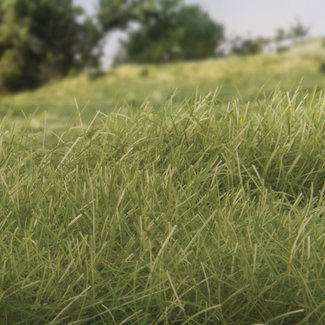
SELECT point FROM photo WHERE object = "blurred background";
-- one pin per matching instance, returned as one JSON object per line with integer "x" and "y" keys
{"x": 240, "y": 18}
{"x": 106, "y": 53}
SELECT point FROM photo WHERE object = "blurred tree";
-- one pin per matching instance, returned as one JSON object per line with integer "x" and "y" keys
{"x": 249, "y": 46}
{"x": 174, "y": 32}
{"x": 114, "y": 14}
{"x": 280, "y": 35}
{"x": 299, "y": 30}
{"x": 41, "y": 39}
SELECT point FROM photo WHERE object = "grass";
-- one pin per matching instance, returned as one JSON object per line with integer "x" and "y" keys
{"x": 125, "y": 201}
{"x": 133, "y": 85}
{"x": 197, "y": 213}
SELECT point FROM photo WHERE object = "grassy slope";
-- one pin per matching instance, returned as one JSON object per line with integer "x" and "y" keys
{"x": 201, "y": 213}
{"x": 133, "y": 85}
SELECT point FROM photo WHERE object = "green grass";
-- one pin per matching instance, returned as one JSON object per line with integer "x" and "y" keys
{"x": 145, "y": 196}
{"x": 133, "y": 85}
{"x": 196, "y": 213}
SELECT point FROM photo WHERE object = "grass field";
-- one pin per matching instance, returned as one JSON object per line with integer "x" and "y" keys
{"x": 167, "y": 208}
{"x": 236, "y": 78}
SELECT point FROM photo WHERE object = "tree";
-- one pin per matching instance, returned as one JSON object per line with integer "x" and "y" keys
{"x": 299, "y": 30}
{"x": 41, "y": 39}
{"x": 175, "y": 32}
{"x": 114, "y": 14}
{"x": 248, "y": 46}
{"x": 280, "y": 35}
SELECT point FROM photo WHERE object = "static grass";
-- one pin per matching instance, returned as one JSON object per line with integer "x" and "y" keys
{"x": 133, "y": 85}
{"x": 199, "y": 214}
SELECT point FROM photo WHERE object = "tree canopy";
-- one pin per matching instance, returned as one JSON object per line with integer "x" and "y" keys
{"x": 174, "y": 32}
{"x": 41, "y": 39}
{"x": 114, "y": 14}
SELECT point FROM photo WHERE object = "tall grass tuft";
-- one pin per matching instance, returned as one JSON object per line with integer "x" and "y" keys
{"x": 200, "y": 214}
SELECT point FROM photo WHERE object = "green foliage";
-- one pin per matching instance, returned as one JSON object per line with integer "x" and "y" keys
{"x": 176, "y": 32}
{"x": 42, "y": 39}
{"x": 280, "y": 34}
{"x": 248, "y": 47}
{"x": 299, "y": 30}
{"x": 118, "y": 13}
{"x": 11, "y": 67}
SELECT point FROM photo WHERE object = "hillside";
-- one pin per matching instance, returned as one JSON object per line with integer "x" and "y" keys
{"x": 240, "y": 78}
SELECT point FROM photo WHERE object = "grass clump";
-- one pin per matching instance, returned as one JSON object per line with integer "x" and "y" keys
{"x": 204, "y": 214}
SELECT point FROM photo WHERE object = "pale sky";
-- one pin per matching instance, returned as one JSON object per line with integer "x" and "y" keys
{"x": 248, "y": 17}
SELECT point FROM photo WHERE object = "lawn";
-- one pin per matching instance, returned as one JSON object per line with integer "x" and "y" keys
{"x": 123, "y": 201}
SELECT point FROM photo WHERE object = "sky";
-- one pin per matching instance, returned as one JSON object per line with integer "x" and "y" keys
{"x": 246, "y": 17}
